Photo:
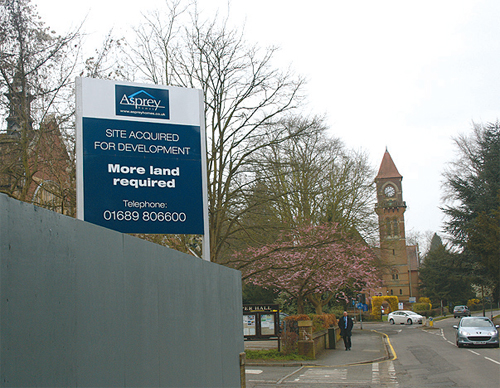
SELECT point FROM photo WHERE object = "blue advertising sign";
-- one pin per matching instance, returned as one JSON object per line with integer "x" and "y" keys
{"x": 135, "y": 174}
{"x": 140, "y": 158}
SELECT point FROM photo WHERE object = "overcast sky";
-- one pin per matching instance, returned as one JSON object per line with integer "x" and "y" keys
{"x": 406, "y": 75}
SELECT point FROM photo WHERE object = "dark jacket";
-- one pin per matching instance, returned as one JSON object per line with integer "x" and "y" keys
{"x": 343, "y": 330}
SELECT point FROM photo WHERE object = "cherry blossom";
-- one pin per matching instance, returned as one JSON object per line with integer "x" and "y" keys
{"x": 311, "y": 261}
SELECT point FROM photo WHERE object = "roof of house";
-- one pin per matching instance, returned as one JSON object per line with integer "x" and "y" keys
{"x": 412, "y": 253}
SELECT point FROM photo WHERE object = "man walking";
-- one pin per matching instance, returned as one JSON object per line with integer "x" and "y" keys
{"x": 345, "y": 324}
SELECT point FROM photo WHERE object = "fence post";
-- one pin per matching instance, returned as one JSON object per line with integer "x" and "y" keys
{"x": 306, "y": 343}
{"x": 243, "y": 380}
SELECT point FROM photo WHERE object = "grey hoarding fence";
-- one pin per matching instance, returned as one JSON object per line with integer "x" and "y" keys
{"x": 84, "y": 306}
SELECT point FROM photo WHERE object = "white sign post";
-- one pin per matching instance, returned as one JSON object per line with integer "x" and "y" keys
{"x": 141, "y": 158}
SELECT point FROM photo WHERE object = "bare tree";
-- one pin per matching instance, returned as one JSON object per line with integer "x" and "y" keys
{"x": 243, "y": 94}
{"x": 314, "y": 178}
{"x": 350, "y": 193}
{"x": 36, "y": 73}
{"x": 105, "y": 63}
{"x": 297, "y": 169}
{"x": 283, "y": 184}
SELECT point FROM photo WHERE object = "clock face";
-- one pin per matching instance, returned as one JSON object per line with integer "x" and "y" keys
{"x": 389, "y": 191}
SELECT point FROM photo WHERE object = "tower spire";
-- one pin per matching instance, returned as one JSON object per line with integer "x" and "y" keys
{"x": 388, "y": 168}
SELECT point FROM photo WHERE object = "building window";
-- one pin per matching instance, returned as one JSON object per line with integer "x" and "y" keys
{"x": 395, "y": 229}
{"x": 392, "y": 292}
{"x": 388, "y": 227}
{"x": 400, "y": 292}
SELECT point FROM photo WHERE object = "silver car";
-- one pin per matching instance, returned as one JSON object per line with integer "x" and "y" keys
{"x": 461, "y": 311}
{"x": 476, "y": 331}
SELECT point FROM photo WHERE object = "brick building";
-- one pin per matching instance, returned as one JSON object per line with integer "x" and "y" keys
{"x": 35, "y": 166}
{"x": 400, "y": 262}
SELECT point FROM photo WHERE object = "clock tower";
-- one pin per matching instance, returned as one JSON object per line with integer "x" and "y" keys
{"x": 390, "y": 209}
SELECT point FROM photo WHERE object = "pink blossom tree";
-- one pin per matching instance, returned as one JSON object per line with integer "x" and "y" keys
{"x": 312, "y": 261}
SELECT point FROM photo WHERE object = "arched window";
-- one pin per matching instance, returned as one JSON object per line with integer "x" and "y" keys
{"x": 395, "y": 228}
{"x": 388, "y": 227}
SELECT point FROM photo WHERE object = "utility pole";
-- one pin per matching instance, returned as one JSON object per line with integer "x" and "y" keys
{"x": 360, "y": 310}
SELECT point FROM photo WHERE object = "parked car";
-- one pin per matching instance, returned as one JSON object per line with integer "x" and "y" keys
{"x": 404, "y": 316}
{"x": 461, "y": 311}
{"x": 476, "y": 331}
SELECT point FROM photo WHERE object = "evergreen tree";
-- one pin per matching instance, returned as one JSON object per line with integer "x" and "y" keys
{"x": 442, "y": 275}
{"x": 473, "y": 191}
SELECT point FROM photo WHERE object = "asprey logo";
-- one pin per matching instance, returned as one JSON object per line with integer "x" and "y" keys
{"x": 141, "y": 102}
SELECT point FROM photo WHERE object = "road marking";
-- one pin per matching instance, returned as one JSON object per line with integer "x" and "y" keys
{"x": 319, "y": 375}
{"x": 375, "y": 374}
{"x": 472, "y": 351}
{"x": 392, "y": 351}
{"x": 289, "y": 375}
{"x": 442, "y": 335}
{"x": 495, "y": 361}
{"x": 392, "y": 374}
{"x": 253, "y": 371}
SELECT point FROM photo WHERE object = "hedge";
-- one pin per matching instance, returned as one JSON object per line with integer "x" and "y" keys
{"x": 320, "y": 322}
{"x": 418, "y": 307}
{"x": 377, "y": 303}
{"x": 424, "y": 299}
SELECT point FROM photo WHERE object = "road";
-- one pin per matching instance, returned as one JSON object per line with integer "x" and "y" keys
{"x": 421, "y": 358}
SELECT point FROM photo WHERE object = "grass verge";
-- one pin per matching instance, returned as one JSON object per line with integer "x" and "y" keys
{"x": 274, "y": 355}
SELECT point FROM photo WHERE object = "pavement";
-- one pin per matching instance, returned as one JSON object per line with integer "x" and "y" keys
{"x": 367, "y": 346}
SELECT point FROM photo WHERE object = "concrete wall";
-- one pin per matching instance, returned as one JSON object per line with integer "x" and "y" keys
{"x": 320, "y": 339}
{"x": 83, "y": 306}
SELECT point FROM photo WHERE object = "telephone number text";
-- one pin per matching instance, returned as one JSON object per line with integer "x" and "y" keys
{"x": 128, "y": 215}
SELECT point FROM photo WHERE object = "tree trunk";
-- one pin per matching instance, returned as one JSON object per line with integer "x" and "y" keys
{"x": 317, "y": 303}
{"x": 300, "y": 305}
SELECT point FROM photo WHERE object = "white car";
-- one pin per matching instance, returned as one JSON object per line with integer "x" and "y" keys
{"x": 404, "y": 316}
